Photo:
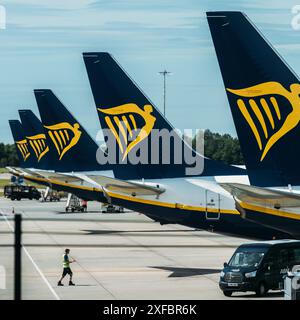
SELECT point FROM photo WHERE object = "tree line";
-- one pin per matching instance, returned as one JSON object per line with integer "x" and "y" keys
{"x": 221, "y": 147}
{"x": 8, "y": 155}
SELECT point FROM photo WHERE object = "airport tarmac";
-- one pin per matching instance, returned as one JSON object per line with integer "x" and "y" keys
{"x": 119, "y": 256}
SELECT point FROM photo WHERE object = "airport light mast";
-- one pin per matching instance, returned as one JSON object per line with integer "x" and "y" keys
{"x": 165, "y": 73}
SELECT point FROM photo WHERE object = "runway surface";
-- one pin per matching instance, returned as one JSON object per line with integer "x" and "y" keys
{"x": 119, "y": 256}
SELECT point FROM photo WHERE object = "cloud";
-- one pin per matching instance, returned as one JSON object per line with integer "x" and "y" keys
{"x": 51, "y": 4}
{"x": 44, "y": 39}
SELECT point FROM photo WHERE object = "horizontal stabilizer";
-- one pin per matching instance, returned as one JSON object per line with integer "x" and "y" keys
{"x": 110, "y": 184}
{"x": 13, "y": 170}
{"x": 66, "y": 178}
{"x": 126, "y": 187}
{"x": 23, "y": 171}
{"x": 262, "y": 196}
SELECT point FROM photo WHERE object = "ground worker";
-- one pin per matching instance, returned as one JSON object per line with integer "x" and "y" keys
{"x": 67, "y": 269}
{"x": 84, "y": 205}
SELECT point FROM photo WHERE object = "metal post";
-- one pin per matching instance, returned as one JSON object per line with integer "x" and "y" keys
{"x": 165, "y": 94}
{"x": 164, "y": 74}
{"x": 18, "y": 256}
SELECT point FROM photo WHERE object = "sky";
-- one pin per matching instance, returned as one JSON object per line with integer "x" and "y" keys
{"x": 42, "y": 45}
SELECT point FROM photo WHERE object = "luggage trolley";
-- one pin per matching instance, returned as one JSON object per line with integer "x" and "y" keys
{"x": 74, "y": 204}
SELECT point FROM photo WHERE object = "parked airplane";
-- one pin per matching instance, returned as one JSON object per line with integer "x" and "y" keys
{"x": 196, "y": 200}
{"x": 43, "y": 169}
{"x": 53, "y": 113}
{"x": 26, "y": 159}
{"x": 37, "y": 141}
{"x": 81, "y": 183}
{"x": 263, "y": 94}
{"x": 77, "y": 183}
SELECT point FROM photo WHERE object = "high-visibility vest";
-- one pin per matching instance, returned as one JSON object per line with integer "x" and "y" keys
{"x": 66, "y": 263}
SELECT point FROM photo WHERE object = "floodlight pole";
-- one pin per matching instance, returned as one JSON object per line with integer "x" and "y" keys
{"x": 164, "y": 74}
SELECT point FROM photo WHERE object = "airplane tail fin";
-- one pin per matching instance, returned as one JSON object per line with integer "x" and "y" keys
{"x": 263, "y": 93}
{"x": 131, "y": 122}
{"x": 72, "y": 146}
{"x": 25, "y": 156}
{"x": 35, "y": 135}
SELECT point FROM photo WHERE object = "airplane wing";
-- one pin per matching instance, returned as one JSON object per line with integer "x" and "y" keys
{"x": 110, "y": 184}
{"x": 128, "y": 187}
{"x": 22, "y": 171}
{"x": 31, "y": 172}
{"x": 13, "y": 170}
{"x": 48, "y": 175}
{"x": 262, "y": 196}
{"x": 66, "y": 178}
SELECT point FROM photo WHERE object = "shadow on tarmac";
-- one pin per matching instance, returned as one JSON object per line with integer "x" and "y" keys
{"x": 177, "y": 272}
{"x": 272, "y": 294}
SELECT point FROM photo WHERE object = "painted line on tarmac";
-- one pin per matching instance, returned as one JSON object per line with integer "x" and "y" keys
{"x": 115, "y": 245}
{"x": 81, "y": 266}
{"x": 33, "y": 262}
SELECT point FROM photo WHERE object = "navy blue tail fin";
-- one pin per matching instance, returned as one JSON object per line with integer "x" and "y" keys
{"x": 129, "y": 119}
{"x": 72, "y": 146}
{"x": 35, "y": 135}
{"x": 26, "y": 158}
{"x": 263, "y": 94}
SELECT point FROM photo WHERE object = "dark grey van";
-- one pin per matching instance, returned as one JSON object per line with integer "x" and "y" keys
{"x": 259, "y": 266}
{"x": 21, "y": 192}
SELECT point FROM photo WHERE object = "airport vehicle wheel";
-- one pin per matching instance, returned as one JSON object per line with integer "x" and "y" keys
{"x": 12, "y": 199}
{"x": 261, "y": 290}
{"x": 18, "y": 199}
{"x": 30, "y": 198}
{"x": 73, "y": 210}
{"x": 227, "y": 293}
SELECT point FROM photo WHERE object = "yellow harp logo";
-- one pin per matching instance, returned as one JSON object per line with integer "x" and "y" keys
{"x": 23, "y": 148}
{"x": 267, "y": 111}
{"x": 123, "y": 118}
{"x": 38, "y": 144}
{"x": 64, "y": 136}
